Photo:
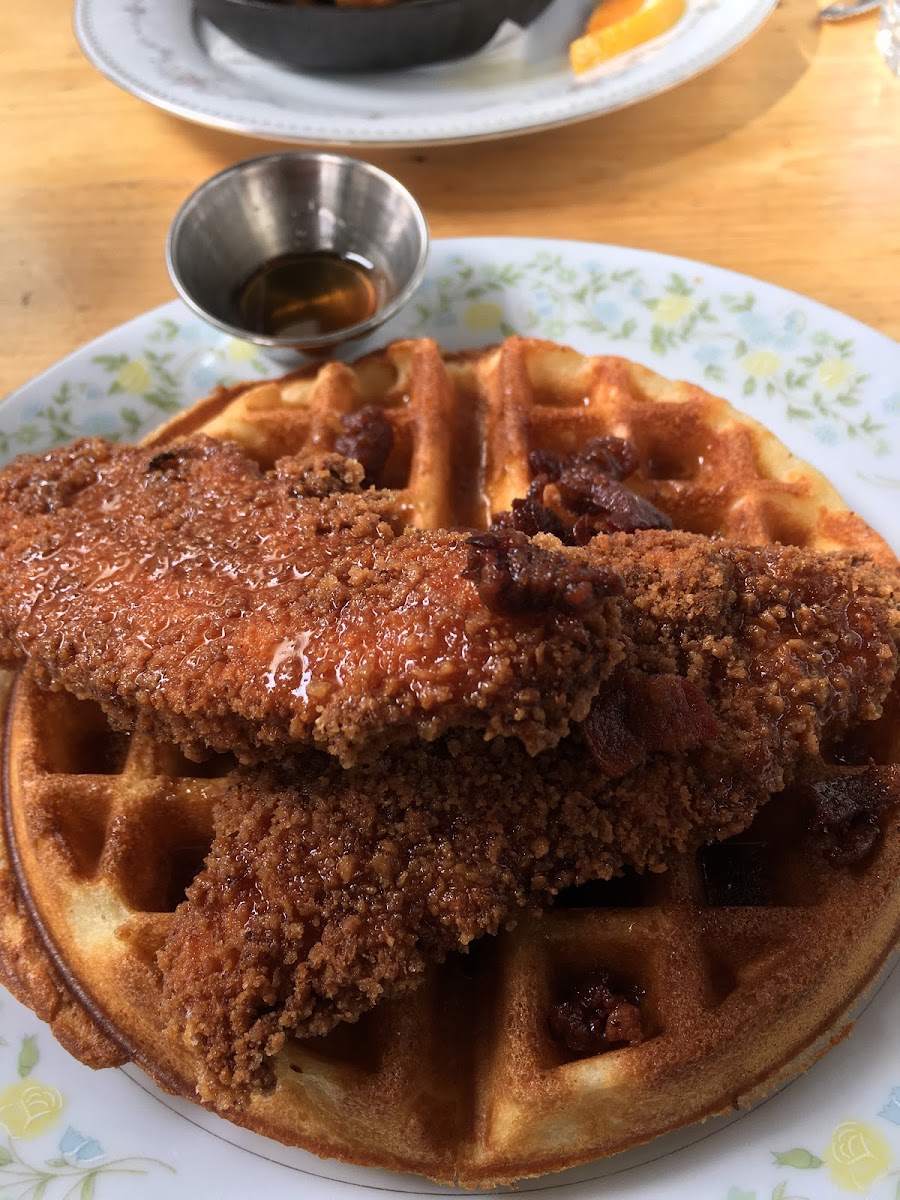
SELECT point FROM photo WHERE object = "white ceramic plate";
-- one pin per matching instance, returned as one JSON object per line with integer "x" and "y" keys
{"x": 160, "y": 51}
{"x": 826, "y": 385}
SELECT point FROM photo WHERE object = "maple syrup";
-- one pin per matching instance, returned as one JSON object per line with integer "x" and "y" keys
{"x": 308, "y": 295}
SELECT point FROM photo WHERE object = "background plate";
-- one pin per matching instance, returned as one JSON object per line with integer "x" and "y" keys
{"x": 158, "y": 50}
{"x": 826, "y": 385}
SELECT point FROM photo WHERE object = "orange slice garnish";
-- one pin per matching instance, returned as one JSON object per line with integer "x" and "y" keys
{"x": 619, "y": 25}
{"x": 610, "y": 12}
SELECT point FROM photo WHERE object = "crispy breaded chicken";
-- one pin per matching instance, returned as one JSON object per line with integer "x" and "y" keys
{"x": 325, "y": 889}
{"x": 203, "y": 601}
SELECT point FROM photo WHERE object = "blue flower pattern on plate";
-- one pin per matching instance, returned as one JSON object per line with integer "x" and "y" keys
{"x": 75, "y": 1147}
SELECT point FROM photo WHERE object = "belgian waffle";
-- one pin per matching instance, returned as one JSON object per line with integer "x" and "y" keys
{"x": 748, "y": 955}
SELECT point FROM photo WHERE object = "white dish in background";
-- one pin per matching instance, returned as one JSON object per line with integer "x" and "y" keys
{"x": 161, "y": 52}
{"x": 822, "y": 382}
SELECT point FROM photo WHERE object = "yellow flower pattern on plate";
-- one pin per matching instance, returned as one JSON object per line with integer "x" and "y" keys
{"x": 239, "y": 351}
{"x": 857, "y": 1156}
{"x": 29, "y": 1108}
{"x": 761, "y": 363}
{"x": 672, "y": 308}
{"x": 134, "y": 376}
{"x": 483, "y": 316}
{"x": 834, "y": 372}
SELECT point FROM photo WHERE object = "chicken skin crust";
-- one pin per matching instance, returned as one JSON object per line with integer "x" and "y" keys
{"x": 203, "y": 601}
{"x": 326, "y": 890}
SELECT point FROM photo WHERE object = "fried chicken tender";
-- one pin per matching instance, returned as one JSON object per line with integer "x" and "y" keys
{"x": 326, "y": 890}
{"x": 203, "y": 601}
{"x": 789, "y": 647}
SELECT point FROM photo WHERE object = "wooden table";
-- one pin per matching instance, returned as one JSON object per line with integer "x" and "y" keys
{"x": 782, "y": 162}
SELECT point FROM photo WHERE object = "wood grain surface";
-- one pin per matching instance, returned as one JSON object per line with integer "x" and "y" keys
{"x": 783, "y": 162}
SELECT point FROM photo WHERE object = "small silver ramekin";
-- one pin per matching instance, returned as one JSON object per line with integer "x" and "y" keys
{"x": 295, "y": 202}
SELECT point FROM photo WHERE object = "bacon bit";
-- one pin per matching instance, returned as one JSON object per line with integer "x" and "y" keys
{"x": 611, "y": 456}
{"x": 617, "y": 509}
{"x": 546, "y": 464}
{"x": 845, "y": 812}
{"x": 856, "y": 843}
{"x": 531, "y": 516}
{"x": 581, "y": 495}
{"x": 614, "y": 747}
{"x": 368, "y": 437}
{"x": 635, "y": 715}
{"x": 163, "y": 460}
{"x": 514, "y": 576}
{"x": 614, "y": 456}
{"x": 598, "y": 1016}
{"x": 673, "y": 714}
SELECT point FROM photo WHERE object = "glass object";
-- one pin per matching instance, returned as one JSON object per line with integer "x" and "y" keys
{"x": 888, "y": 36}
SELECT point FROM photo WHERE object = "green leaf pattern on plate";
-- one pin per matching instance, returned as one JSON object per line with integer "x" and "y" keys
{"x": 803, "y": 1160}
{"x": 28, "y": 1056}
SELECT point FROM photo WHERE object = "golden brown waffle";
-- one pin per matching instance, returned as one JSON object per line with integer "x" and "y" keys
{"x": 464, "y": 425}
{"x": 749, "y": 954}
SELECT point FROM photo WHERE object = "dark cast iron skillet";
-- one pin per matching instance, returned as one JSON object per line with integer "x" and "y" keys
{"x": 320, "y": 37}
